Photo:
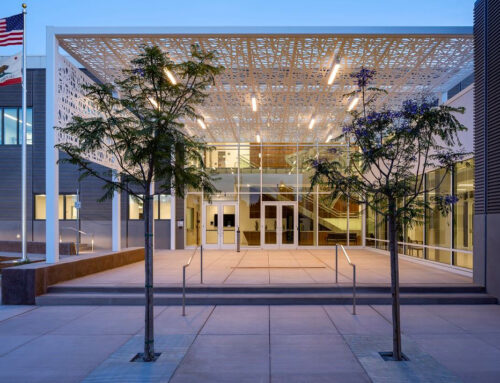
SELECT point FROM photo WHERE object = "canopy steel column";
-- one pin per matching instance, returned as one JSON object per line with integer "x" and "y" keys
{"x": 116, "y": 233}
{"x": 51, "y": 155}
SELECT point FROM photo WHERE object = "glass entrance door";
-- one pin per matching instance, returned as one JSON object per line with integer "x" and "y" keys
{"x": 219, "y": 225}
{"x": 280, "y": 224}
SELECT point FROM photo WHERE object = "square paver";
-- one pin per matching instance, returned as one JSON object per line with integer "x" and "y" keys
{"x": 42, "y": 320}
{"x": 57, "y": 358}
{"x": 366, "y": 320}
{"x": 469, "y": 357}
{"x": 171, "y": 321}
{"x": 107, "y": 320}
{"x": 300, "y": 320}
{"x": 245, "y": 320}
{"x": 313, "y": 358}
{"x": 226, "y": 358}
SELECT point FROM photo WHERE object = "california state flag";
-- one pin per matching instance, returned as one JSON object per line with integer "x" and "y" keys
{"x": 11, "y": 70}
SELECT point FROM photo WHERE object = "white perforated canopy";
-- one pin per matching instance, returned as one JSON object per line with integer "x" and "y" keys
{"x": 287, "y": 70}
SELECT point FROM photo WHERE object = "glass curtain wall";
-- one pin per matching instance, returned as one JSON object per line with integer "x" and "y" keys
{"x": 445, "y": 239}
{"x": 463, "y": 213}
{"x": 437, "y": 225}
{"x": 253, "y": 173}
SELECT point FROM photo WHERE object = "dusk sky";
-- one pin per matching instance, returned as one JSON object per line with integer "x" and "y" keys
{"x": 233, "y": 13}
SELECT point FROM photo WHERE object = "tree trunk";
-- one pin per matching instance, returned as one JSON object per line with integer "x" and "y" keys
{"x": 393, "y": 248}
{"x": 149, "y": 349}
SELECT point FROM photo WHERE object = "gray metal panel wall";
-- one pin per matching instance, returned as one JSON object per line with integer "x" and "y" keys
{"x": 487, "y": 144}
{"x": 479, "y": 106}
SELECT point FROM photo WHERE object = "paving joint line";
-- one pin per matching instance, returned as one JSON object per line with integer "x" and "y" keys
{"x": 47, "y": 332}
{"x": 343, "y": 338}
{"x": 327, "y": 265}
{"x": 209, "y": 264}
{"x": 232, "y": 271}
{"x": 191, "y": 345}
{"x": 304, "y": 268}
{"x": 269, "y": 340}
{"x": 24, "y": 312}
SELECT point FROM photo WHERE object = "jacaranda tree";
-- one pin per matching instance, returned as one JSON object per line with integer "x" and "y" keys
{"x": 141, "y": 125}
{"x": 387, "y": 153}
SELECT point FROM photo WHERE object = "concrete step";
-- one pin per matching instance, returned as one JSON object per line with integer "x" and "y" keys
{"x": 269, "y": 289}
{"x": 338, "y": 298}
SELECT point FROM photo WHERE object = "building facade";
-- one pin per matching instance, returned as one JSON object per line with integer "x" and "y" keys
{"x": 272, "y": 110}
{"x": 487, "y": 144}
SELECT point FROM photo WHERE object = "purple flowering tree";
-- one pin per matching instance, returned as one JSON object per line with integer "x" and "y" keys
{"x": 389, "y": 151}
{"x": 141, "y": 124}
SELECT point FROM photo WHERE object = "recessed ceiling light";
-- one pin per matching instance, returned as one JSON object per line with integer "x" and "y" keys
{"x": 353, "y": 104}
{"x": 201, "y": 123}
{"x": 258, "y": 138}
{"x": 333, "y": 74}
{"x": 153, "y": 102}
{"x": 254, "y": 103}
{"x": 170, "y": 76}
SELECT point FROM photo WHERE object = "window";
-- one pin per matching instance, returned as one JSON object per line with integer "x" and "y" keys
{"x": 67, "y": 209}
{"x": 135, "y": 208}
{"x": 161, "y": 207}
{"x": 463, "y": 213}
{"x": 12, "y": 127}
{"x": 437, "y": 225}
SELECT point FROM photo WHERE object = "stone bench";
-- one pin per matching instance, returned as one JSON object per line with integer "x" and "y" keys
{"x": 22, "y": 284}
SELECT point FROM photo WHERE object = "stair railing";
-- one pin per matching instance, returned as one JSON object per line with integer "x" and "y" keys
{"x": 90, "y": 235}
{"x": 353, "y": 274}
{"x": 184, "y": 276}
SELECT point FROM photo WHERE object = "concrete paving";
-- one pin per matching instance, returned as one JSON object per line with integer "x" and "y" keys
{"x": 272, "y": 267}
{"x": 249, "y": 344}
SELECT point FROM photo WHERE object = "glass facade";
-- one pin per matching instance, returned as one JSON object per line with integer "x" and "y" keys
{"x": 276, "y": 206}
{"x": 445, "y": 239}
{"x": 269, "y": 186}
{"x": 463, "y": 212}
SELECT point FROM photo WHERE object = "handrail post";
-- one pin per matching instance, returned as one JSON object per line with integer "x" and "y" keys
{"x": 353, "y": 289}
{"x": 238, "y": 240}
{"x": 183, "y": 291}
{"x": 201, "y": 264}
{"x": 336, "y": 263}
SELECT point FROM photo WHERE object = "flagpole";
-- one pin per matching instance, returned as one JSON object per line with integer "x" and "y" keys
{"x": 24, "y": 150}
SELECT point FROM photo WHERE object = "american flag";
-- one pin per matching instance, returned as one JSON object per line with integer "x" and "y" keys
{"x": 11, "y": 30}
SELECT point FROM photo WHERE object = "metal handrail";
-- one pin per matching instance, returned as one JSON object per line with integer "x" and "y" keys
{"x": 353, "y": 274}
{"x": 91, "y": 235}
{"x": 184, "y": 276}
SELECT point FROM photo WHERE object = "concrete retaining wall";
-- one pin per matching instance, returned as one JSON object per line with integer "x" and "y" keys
{"x": 22, "y": 284}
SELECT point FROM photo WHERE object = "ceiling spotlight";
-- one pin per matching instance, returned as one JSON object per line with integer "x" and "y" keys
{"x": 254, "y": 103}
{"x": 311, "y": 124}
{"x": 258, "y": 138}
{"x": 333, "y": 74}
{"x": 353, "y": 104}
{"x": 153, "y": 102}
{"x": 170, "y": 76}
{"x": 201, "y": 123}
